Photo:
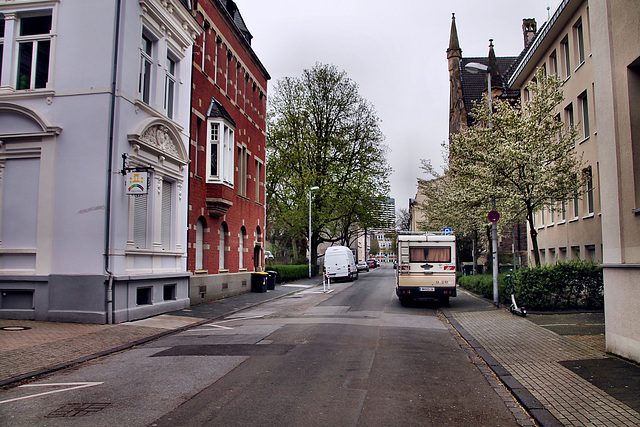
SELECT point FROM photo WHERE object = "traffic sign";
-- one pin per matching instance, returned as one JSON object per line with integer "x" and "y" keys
{"x": 493, "y": 216}
{"x": 447, "y": 231}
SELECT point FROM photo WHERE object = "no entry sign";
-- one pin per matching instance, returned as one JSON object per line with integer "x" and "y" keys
{"x": 493, "y": 216}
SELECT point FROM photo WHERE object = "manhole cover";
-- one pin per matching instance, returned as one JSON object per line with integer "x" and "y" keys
{"x": 14, "y": 328}
{"x": 77, "y": 410}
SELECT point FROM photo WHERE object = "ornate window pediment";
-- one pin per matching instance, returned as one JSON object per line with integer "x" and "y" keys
{"x": 158, "y": 136}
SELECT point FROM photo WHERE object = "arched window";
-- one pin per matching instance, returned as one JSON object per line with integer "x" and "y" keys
{"x": 242, "y": 237}
{"x": 200, "y": 225}
{"x": 223, "y": 244}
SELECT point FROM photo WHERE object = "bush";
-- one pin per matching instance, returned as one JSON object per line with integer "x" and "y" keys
{"x": 288, "y": 273}
{"x": 573, "y": 284}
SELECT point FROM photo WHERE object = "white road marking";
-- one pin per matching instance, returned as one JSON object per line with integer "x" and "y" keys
{"x": 73, "y": 386}
{"x": 219, "y": 326}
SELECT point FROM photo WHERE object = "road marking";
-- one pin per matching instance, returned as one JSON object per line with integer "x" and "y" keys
{"x": 219, "y": 326}
{"x": 298, "y": 286}
{"x": 573, "y": 324}
{"x": 69, "y": 387}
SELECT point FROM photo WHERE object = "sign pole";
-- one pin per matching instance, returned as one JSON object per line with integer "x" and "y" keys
{"x": 494, "y": 244}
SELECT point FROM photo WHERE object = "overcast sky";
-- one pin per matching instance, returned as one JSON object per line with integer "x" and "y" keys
{"x": 395, "y": 50}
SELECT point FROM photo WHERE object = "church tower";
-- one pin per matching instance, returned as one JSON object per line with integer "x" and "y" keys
{"x": 457, "y": 112}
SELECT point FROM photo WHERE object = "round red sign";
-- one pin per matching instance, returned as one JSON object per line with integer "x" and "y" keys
{"x": 493, "y": 216}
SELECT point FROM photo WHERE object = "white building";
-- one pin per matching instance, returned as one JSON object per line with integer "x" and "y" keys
{"x": 82, "y": 83}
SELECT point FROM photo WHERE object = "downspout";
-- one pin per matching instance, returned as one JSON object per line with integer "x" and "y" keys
{"x": 107, "y": 234}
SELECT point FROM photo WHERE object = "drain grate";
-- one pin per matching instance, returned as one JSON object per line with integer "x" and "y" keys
{"x": 77, "y": 410}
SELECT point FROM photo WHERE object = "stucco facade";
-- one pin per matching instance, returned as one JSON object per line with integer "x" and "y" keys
{"x": 615, "y": 27}
{"x": 75, "y": 96}
{"x": 572, "y": 229}
{"x": 227, "y": 150}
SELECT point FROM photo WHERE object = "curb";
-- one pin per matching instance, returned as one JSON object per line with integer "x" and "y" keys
{"x": 532, "y": 405}
{"x": 66, "y": 365}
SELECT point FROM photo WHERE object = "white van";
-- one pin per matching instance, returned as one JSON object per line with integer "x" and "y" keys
{"x": 340, "y": 264}
{"x": 426, "y": 267}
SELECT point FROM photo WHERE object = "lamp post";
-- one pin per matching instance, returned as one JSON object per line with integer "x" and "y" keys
{"x": 473, "y": 68}
{"x": 310, "y": 190}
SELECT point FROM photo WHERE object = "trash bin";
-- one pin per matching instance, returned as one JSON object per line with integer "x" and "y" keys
{"x": 259, "y": 281}
{"x": 271, "y": 281}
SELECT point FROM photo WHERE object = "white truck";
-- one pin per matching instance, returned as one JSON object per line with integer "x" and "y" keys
{"x": 339, "y": 263}
{"x": 426, "y": 267}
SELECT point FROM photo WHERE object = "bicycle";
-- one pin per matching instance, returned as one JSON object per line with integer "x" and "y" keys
{"x": 514, "y": 309}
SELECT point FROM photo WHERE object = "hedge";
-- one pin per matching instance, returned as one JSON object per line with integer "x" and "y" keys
{"x": 289, "y": 273}
{"x": 573, "y": 284}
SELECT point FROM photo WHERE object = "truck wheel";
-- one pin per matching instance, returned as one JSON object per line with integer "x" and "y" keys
{"x": 443, "y": 301}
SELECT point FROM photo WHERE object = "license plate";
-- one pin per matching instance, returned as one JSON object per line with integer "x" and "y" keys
{"x": 427, "y": 289}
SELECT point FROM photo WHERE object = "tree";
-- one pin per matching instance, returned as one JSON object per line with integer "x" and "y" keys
{"x": 323, "y": 133}
{"x": 525, "y": 159}
{"x": 403, "y": 220}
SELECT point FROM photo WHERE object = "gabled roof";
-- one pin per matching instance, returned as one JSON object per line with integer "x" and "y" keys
{"x": 216, "y": 110}
{"x": 473, "y": 85}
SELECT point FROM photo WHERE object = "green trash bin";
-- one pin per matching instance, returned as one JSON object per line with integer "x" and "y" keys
{"x": 259, "y": 281}
{"x": 271, "y": 281}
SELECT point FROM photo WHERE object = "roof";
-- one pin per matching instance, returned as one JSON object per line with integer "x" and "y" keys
{"x": 232, "y": 8}
{"x": 473, "y": 85}
{"x": 216, "y": 110}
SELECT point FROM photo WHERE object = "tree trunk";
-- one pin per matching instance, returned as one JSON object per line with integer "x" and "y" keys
{"x": 474, "y": 249}
{"x": 534, "y": 236}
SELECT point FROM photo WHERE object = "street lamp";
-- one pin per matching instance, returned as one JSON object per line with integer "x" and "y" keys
{"x": 473, "y": 68}
{"x": 310, "y": 190}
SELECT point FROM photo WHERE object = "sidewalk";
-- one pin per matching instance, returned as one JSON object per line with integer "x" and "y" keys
{"x": 558, "y": 379}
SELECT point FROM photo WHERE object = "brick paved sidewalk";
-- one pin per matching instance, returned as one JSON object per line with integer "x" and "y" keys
{"x": 532, "y": 356}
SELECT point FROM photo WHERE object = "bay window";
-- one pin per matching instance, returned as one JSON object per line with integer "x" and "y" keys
{"x": 220, "y": 167}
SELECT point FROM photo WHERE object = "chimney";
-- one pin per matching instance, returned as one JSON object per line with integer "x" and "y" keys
{"x": 529, "y": 28}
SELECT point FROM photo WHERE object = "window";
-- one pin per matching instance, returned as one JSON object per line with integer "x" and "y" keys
{"x": 579, "y": 40}
{"x": 563, "y": 211}
{"x": 243, "y": 173}
{"x": 165, "y": 218}
{"x": 34, "y": 45}
{"x": 146, "y": 60}
{"x": 566, "y": 56}
{"x": 1, "y": 44}
{"x": 633, "y": 83}
{"x": 222, "y": 247}
{"x": 584, "y": 109}
{"x": 258, "y": 176}
{"x": 200, "y": 244}
{"x": 589, "y": 187}
{"x": 430, "y": 254}
{"x": 140, "y": 221}
{"x": 169, "y": 86}
{"x": 576, "y": 211}
{"x": 241, "y": 237}
{"x": 568, "y": 114}
{"x": 220, "y": 167}
{"x": 553, "y": 63}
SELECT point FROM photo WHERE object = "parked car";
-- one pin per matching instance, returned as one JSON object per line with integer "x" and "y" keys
{"x": 339, "y": 263}
{"x": 362, "y": 266}
{"x": 373, "y": 263}
{"x": 268, "y": 255}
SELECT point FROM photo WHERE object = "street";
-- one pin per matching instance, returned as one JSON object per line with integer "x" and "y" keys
{"x": 353, "y": 356}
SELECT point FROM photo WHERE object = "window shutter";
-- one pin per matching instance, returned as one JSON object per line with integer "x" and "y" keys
{"x": 166, "y": 215}
{"x": 140, "y": 221}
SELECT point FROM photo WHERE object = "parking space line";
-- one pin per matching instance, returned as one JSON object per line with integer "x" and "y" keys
{"x": 74, "y": 386}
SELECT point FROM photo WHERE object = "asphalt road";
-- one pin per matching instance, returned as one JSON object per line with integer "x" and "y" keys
{"x": 350, "y": 357}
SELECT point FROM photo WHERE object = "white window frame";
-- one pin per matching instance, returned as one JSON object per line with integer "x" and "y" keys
{"x": 35, "y": 40}
{"x": 147, "y": 61}
{"x": 224, "y": 152}
{"x": 172, "y": 64}
{"x": 584, "y": 110}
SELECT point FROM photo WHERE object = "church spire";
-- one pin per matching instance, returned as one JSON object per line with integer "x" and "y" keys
{"x": 454, "y": 45}
{"x": 496, "y": 79}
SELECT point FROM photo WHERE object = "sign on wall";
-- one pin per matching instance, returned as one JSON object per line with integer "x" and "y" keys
{"x": 136, "y": 183}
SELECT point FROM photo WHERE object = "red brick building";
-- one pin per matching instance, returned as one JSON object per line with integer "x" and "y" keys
{"x": 227, "y": 152}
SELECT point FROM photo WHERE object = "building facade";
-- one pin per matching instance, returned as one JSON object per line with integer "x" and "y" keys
{"x": 615, "y": 43}
{"x": 227, "y": 151}
{"x": 80, "y": 129}
{"x": 573, "y": 229}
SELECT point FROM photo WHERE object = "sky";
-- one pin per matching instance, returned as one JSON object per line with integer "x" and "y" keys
{"x": 395, "y": 50}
